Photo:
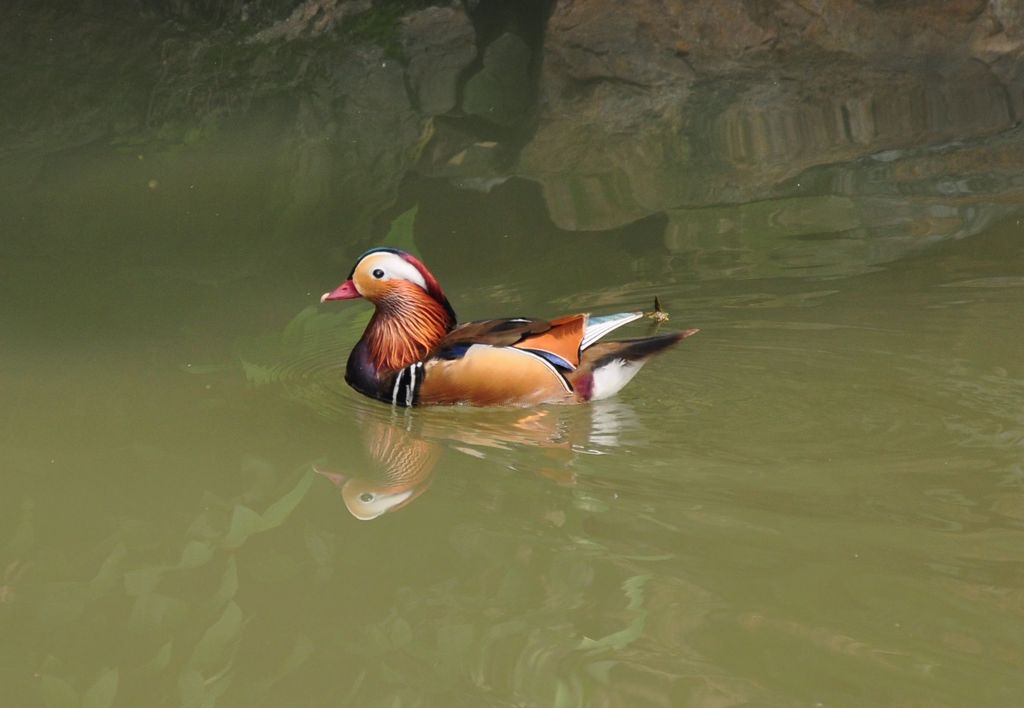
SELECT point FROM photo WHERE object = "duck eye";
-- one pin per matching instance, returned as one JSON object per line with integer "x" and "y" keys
{"x": 378, "y": 273}
{"x": 366, "y": 497}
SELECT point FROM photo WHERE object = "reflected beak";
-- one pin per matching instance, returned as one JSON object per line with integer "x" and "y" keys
{"x": 345, "y": 291}
{"x": 336, "y": 478}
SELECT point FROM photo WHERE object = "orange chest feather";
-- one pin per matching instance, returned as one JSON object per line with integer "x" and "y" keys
{"x": 405, "y": 336}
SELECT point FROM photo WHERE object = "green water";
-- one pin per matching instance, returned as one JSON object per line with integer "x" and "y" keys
{"x": 818, "y": 500}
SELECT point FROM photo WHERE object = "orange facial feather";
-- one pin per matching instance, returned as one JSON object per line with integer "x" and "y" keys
{"x": 406, "y": 327}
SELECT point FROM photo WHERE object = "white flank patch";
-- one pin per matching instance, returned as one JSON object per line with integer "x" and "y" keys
{"x": 610, "y": 378}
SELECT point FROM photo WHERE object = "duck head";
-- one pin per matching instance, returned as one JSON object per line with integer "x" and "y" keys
{"x": 412, "y": 313}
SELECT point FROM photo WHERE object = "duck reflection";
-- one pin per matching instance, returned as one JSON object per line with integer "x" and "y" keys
{"x": 401, "y": 468}
{"x": 403, "y": 450}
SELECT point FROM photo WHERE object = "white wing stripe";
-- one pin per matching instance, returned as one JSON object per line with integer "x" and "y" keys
{"x": 411, "y": 389}
{"x": 394, "y": 392}
{"x": 598, "y": 327}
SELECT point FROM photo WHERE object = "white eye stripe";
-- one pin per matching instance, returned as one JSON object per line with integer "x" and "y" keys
{"x": 397, "y": 267}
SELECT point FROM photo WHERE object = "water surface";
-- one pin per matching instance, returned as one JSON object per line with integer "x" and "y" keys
{"x": 818, "y": 500}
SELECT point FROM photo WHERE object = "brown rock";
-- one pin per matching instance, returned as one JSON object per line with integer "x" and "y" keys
{"x": 649, "y": 105}
{"x": 439, "y": 43}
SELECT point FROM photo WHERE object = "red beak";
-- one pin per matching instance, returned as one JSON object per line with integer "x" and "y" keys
{"x": 345, "y": 291}
{"x": 336, "y": 477}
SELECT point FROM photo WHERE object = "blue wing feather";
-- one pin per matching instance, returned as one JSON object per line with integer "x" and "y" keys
{"x": 551, "y": 358}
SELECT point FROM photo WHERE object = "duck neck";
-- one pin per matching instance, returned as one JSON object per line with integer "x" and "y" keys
{"x": 404, "y": 330}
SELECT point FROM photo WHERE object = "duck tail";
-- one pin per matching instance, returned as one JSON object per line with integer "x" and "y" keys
{"x": 608, "y": 366}
{"x": 638, "y": 349}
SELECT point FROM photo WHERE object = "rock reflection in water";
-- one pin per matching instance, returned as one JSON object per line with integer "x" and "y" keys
{"x": 740, "y": 139}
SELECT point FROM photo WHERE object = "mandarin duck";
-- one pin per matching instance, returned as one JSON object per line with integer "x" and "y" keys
{"x": 414, "y": 353}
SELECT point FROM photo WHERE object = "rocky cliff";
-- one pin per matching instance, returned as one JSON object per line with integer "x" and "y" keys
{"x": 619, "y": 109}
